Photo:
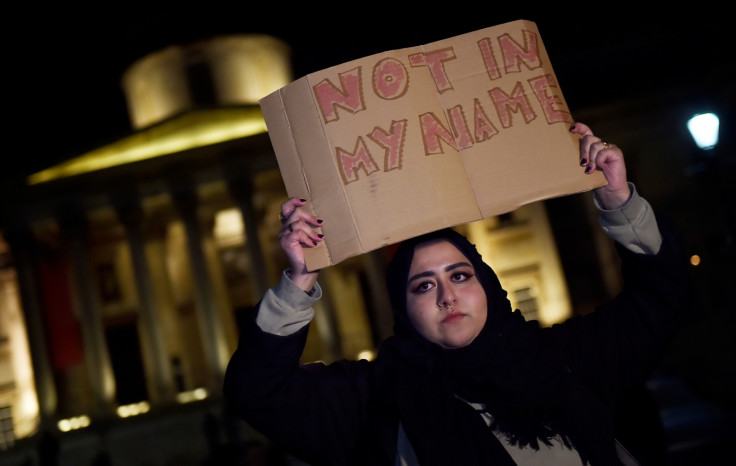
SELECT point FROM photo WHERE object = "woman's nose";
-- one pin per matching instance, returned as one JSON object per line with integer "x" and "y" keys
{"x": 446, "y": 298}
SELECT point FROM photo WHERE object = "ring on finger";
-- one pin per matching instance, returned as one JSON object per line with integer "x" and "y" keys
{"x": 605, "y": 144}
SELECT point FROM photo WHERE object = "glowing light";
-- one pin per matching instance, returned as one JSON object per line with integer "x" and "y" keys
{"x": 229, "y": 229}
{"x": 73, "y": 423}
{"x": 703, "y": 128}
{"x": 695, "y": 260}
{"x": 368, "y": 355}
{"x": 133, "y": 409}
{"x": 193, "y": 395}
{"x": 200, "y": 393}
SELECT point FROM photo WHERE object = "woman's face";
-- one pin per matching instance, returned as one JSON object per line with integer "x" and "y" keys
{"x": 445, "y": 301}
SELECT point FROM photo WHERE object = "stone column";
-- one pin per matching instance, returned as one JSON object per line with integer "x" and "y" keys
{"x": 102, "y": 380}
{"x": 214, "y": 342}
{"x": 241, "y": 189}
{"x": 131, "y": 214}
{"x": 155, "y": 232}
{"x": 23, "y": 247}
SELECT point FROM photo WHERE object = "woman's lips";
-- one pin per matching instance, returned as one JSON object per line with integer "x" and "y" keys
{"x": 452, "y": 318}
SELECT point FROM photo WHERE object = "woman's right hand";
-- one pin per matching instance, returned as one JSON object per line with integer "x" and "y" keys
{"x": 607, "y": 158}
{"x": 298, "y": 230}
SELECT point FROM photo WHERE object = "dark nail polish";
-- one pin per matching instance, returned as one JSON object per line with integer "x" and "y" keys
{"x": 303, "y": 200}
{"x": 589, "y": 170}
{"x": 583, "y": 162}
{"x": 315, "y": 243}
{"x": 321, "y": 235}
{"x": 572, "y": 127}
{"x": 319, "y": 220}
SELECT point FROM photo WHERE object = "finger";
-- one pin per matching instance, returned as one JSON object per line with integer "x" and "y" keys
{"x": 585, "y": 142}
{"x": 588, "y": 151}
{"x": 600, "y": 153}
{"x": 289, "y": 206}
{"x": 581, "y": 129}
{"x": 293, "y": 210}
{"x": 300, "y": 232}
{"x": 590, "y": 145}
{"x": 301, "y": 214}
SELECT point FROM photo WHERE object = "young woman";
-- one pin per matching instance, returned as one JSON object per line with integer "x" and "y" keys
{"x": 465, "y": 380}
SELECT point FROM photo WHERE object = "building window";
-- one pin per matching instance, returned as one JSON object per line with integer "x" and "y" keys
{"x": 7, "y": 434}
{"x": 527, "y": 303}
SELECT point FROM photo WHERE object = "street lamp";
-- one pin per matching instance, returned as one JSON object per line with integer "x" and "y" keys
{"x": 703, "y": 128}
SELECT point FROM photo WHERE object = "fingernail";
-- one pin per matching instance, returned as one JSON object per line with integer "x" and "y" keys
{"x": 321, "y": 235}
{"x": 583, "y": 162}
{"x": 319, "y": 220}
{"x": 303, "y": 200}
{"x": 572, "y": 127}
{"x": 589, "y": 169}
{"x": 314, "y": 242}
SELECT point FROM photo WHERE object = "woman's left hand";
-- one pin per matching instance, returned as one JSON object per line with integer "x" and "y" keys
{"x": 609, "y": 159}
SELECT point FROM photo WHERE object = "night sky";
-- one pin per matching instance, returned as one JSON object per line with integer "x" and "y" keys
{"x": 65, "y": 63}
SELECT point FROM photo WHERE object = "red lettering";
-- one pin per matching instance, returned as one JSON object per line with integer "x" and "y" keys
{"x": 484, "y": 129}
{"x": 460, "y": 127}
{"x": 390, "y": 79}
{"x": 551, "y": 101}
{"x": 432, "y": 133}
{"x": 435, "y": 61}
{"x": 349, "y": 97}
{"x": 506, "y": 104}
{"x": 486, "y": 52}
{"x": 514, "y": 54}
{"x": 350, "y": 163}
{"x": 392, "y": 142}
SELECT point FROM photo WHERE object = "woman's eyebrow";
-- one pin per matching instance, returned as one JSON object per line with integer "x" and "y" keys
{"x": 430, "y": 273}
{"x": 457, "y": 265}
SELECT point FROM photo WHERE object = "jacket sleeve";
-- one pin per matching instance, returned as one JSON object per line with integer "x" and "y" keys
{"x": 286, "y": 308}
{"x": 632, "y": 225}
{"x": 616, "y": 347}
{"x": 311, "y": 411}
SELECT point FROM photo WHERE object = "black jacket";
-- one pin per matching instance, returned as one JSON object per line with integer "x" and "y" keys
{"x": 319, "y": 413}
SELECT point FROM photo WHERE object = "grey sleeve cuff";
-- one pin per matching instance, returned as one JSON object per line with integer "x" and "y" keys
{"x": 633, "y": 225}
{"x": 286, "y": 308}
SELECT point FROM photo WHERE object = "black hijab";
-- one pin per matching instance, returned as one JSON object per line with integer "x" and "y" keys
{"x": 508, "y": 367}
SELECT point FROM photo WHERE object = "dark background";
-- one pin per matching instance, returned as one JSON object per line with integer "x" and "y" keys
{"x": 65, "y": 62}
{"x": 63, "y": 65}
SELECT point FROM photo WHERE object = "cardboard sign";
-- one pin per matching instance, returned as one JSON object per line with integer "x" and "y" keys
{"x": 409, "y": 141}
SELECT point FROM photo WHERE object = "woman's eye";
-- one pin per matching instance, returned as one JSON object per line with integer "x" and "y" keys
{"x": 422, "y": 287}
{"x": 460, "y": 276}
